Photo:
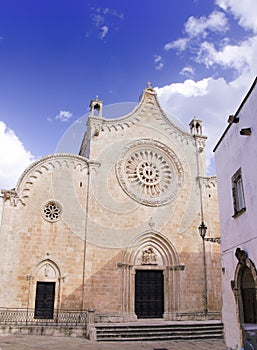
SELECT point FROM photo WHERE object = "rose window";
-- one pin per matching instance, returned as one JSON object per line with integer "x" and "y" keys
{"x": 149, "y": 172}
{"x": 51, "y": 211}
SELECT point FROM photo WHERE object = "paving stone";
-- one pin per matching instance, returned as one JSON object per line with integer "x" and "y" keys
{"x": 30, "y": 342}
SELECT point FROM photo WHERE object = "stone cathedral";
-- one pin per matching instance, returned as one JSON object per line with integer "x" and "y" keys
{"x": 115, "y": 228}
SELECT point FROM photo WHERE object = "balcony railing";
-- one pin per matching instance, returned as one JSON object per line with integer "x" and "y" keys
{"x": 29, "y": 317}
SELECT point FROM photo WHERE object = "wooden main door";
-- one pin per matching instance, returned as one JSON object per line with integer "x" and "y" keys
{"x": 149, "y": 297}
{"x": 44, "y": 304}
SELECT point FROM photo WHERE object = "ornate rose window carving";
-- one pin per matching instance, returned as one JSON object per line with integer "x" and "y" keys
{"x": 150, "y": 172}
{"x": 51, "y": 211}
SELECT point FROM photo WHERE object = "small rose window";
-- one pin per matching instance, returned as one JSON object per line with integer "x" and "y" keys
{"x": 52, "y": 211}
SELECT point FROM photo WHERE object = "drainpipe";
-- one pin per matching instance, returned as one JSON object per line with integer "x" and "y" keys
{"x": 205, "y": 289}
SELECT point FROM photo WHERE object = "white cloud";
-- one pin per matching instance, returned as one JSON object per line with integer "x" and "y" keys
{"x": 187, "y": 71}
{"x": 215, "y": 22}
{"x": 104, "y": 19}
{"x": 104, "y": 32}
{"x": 244, "y": 11}
{"x": 211, "y": 100}
{"x": 239, "y": 57}
{"x": 14, "y": 158}
{"x": 98, "y": 19}
{"x": 158, "y": 61}
{"x": 64, "y": 116}
{"x": 112, "y": 12}
{"x": 179, "y": 44}
{"x": 188, "y": 88}
{"x": 197, "y": 28}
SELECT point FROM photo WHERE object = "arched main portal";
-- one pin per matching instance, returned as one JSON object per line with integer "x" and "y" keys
{"x": 151, "y": 277}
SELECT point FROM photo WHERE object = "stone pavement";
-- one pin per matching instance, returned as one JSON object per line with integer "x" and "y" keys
{"x": 35, "y": 342}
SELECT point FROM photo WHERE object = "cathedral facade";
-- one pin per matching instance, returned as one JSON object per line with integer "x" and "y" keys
{"x": 114, "y": 230}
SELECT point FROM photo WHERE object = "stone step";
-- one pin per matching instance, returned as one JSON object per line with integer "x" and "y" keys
{"x": 151, "y": 332}
{"x": 132, "y": 332}
{"x": 163, "y": 338}
{"x": 160, "y": 328}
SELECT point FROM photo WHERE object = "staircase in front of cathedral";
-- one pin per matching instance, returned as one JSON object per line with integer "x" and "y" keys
{"x": 173, "y": 331}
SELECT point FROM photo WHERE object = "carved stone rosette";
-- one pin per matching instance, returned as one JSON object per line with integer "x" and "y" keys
{"x": 51, "y": 211}
{"x": 150, "y": 172}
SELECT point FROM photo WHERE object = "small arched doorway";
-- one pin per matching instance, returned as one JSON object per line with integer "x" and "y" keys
{"x": 248, "y": 296}
{"x": 44, "y": 297}
{"x": 245, "y": 288}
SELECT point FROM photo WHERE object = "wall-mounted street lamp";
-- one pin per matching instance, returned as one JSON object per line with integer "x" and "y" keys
{"x": 202, "y": 232}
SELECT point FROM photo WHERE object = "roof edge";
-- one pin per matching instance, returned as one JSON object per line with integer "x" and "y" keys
{"x": 237, "y": 112}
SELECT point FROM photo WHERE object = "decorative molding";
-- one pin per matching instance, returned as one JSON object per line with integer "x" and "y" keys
{"x": 208, "y": 181}
{"x": 166, "y": 256}
{"x": 148, "y": 99}
{"x": 148, "y": 105}
{"x": 149, "y": 172}
{"x": 48, "y": 163}
{"x": 97, "y": 125}
{"x": 110, "y": 126}
{"x": 47, "y": 268}
{"x": 12, "y": 197}
{"x": 155, "y": 239}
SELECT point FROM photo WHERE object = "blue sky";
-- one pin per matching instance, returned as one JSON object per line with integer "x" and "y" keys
{"x": 55, "y": 56}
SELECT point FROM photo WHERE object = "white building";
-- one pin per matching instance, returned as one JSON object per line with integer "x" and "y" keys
{"x": 236, "y": 161}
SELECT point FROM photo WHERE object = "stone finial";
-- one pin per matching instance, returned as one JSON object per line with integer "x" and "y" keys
{"x": 96, "y": 107}
{"x": 196, "y": 127}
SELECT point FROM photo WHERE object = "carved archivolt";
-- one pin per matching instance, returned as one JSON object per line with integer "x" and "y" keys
{"x": 151, "y": 250}
{"x": 38, "y": 168}
{"x": 151, "y": 247}
{"x": 150, "y": 172}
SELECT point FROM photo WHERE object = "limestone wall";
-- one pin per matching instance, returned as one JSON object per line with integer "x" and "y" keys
{"x": 135, "y": 204}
